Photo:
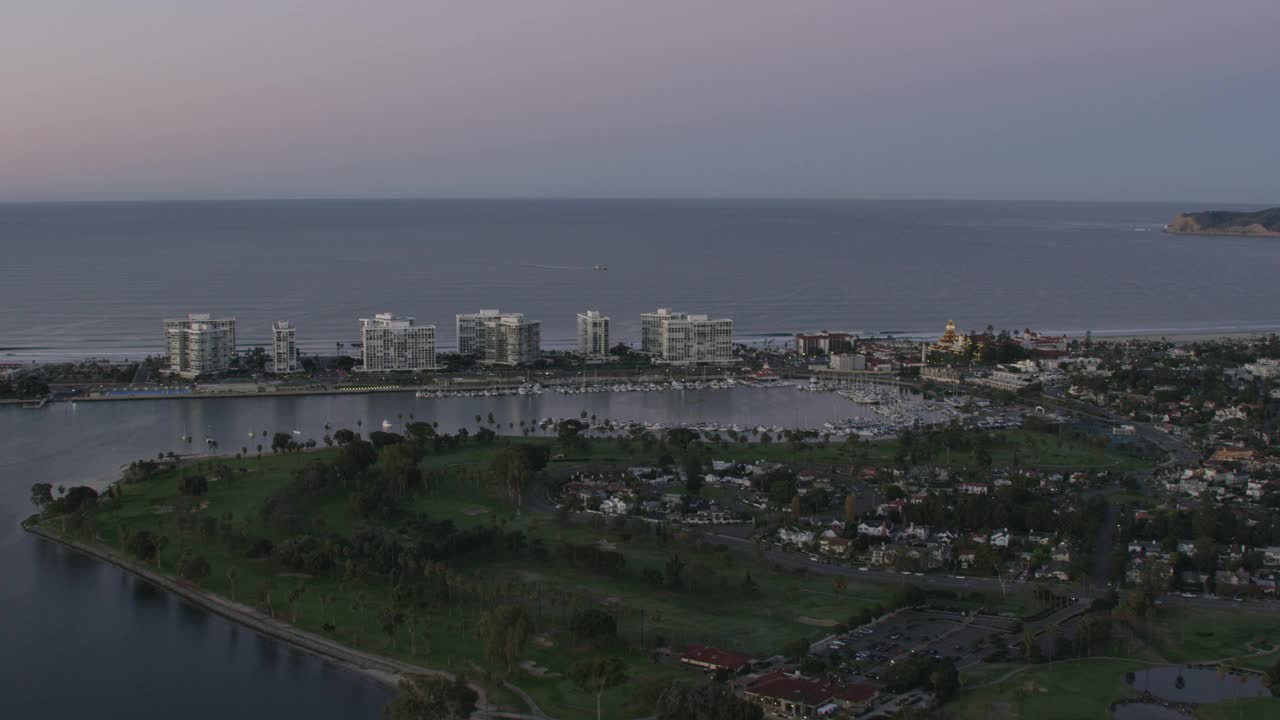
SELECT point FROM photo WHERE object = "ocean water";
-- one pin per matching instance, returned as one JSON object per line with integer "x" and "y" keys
{"x": 97, "y": 279}
{"x": 133, "y": 651}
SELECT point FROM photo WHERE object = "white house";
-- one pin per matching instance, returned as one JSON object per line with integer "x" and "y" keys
{"x": 795, "y": 536}
{"x": 881, "y": 530}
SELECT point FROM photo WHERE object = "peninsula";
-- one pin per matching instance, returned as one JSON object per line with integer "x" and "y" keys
{"x": 1263, "y": 223}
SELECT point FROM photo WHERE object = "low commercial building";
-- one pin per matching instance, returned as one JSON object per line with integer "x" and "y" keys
{"x": 393, "y": 343}
{"x": 593, "y": 335}
{"x": 848, "y": 362}
{"x": 793, "y": 696}
{"x": 200, "y": 344}
{"x": 715, "y": 659}
{"x": 682, "y": 339}
{"x": 284, "y": 347}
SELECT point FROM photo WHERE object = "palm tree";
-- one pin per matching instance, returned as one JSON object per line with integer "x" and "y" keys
{"x": 161, "y": 543}
{"x": 326, "y": 602}
{"x": 357, "y": 606}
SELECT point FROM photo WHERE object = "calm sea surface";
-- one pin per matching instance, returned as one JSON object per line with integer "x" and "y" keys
{"x": 82, "y": 639}
{"x": 96, "y": 279}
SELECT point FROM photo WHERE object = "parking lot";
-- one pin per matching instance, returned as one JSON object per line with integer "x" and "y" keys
{"x": 868, "y": 651}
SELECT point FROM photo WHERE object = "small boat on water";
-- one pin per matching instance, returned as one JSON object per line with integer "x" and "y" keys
{"x": 600, "y": 267}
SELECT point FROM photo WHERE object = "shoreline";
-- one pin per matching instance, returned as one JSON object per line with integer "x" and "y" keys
{"x": 385, "y": 670}
{"x": 1224, "y": 233}
{"x": 1179, "y": 337}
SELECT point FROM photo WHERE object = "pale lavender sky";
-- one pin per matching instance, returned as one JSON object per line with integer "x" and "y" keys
{"x": 1072, "y": 99}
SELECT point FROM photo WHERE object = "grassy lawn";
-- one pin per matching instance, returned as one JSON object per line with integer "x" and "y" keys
{"x": 788, "y": 605}
{"x": 1084, "y": 688}
{"x": 1248, "y": 709}
{"x": 1022, "y": 447}
{"x": 1181, "y": 634}
{"x": 712, "y": 608}
{"x": 985, "y": 672}
{"x": 1043, "y": 450}
{"x": 1065, "y": 691}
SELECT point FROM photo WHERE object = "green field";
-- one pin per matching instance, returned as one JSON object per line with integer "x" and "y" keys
{"x": 1086, "y": 687}
{"x": 787, "y": 605}
{"x": 1073, "y": 689}
{"x": 1180, "y": 634}
{"x": 712, "y": 607}
{"x": 1250, "y": 709}
{"x": 1021, "y": 447}
{"x": 1062, "y": 691}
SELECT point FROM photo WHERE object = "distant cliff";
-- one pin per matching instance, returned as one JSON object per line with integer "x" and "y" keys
{"x": 1264, "y": 223}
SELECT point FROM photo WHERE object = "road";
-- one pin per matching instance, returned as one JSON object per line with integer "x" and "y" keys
{"x": 1178, "y": 452}
{"x": 885, "y": 577}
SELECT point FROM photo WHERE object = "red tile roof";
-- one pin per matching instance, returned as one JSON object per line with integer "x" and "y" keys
{"x": 856, "y": 693}
{"x": 715, "y": 657}
{"x": 792, "y": 689}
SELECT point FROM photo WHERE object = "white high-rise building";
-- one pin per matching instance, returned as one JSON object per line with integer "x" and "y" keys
{"x": 680, "y": 339}
{"x": 397, "y": 343}
{"x": 651, "y": 328}
{"x": 470, "y": 330}
{"x": 511, "y": 340}
{"x": 498, "y": 338}
{"x": 593, "y": 335}
{"x": 284, "y": 347}
{"x": 200, "y": 344}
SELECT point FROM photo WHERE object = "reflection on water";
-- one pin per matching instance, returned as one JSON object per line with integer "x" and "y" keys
{"x": 193, "y": 618}
{"x": 107, "y": 630}
{"x": 1199, "y": 685}
{"x": 148, "y": 596}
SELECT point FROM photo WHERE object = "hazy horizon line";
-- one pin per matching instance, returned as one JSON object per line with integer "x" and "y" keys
{"x": 629, "y": 198}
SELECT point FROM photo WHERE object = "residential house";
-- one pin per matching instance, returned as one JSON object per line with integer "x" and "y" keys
{"x": 1232, "y": 578}
{"x": 881, "y": 531}
{"x": 835, "y": 546}
{"x": 795, "y": 536}
{"x": 615, "y": 506}
{"x": 919, "y": 532}
{"x": 1062, "y": 552}
{"x": 1271, "y": 556}
{"x": 1040, "y": 538}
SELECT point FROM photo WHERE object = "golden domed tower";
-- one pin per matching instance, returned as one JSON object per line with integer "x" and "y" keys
{"x": 952, "y": 340}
